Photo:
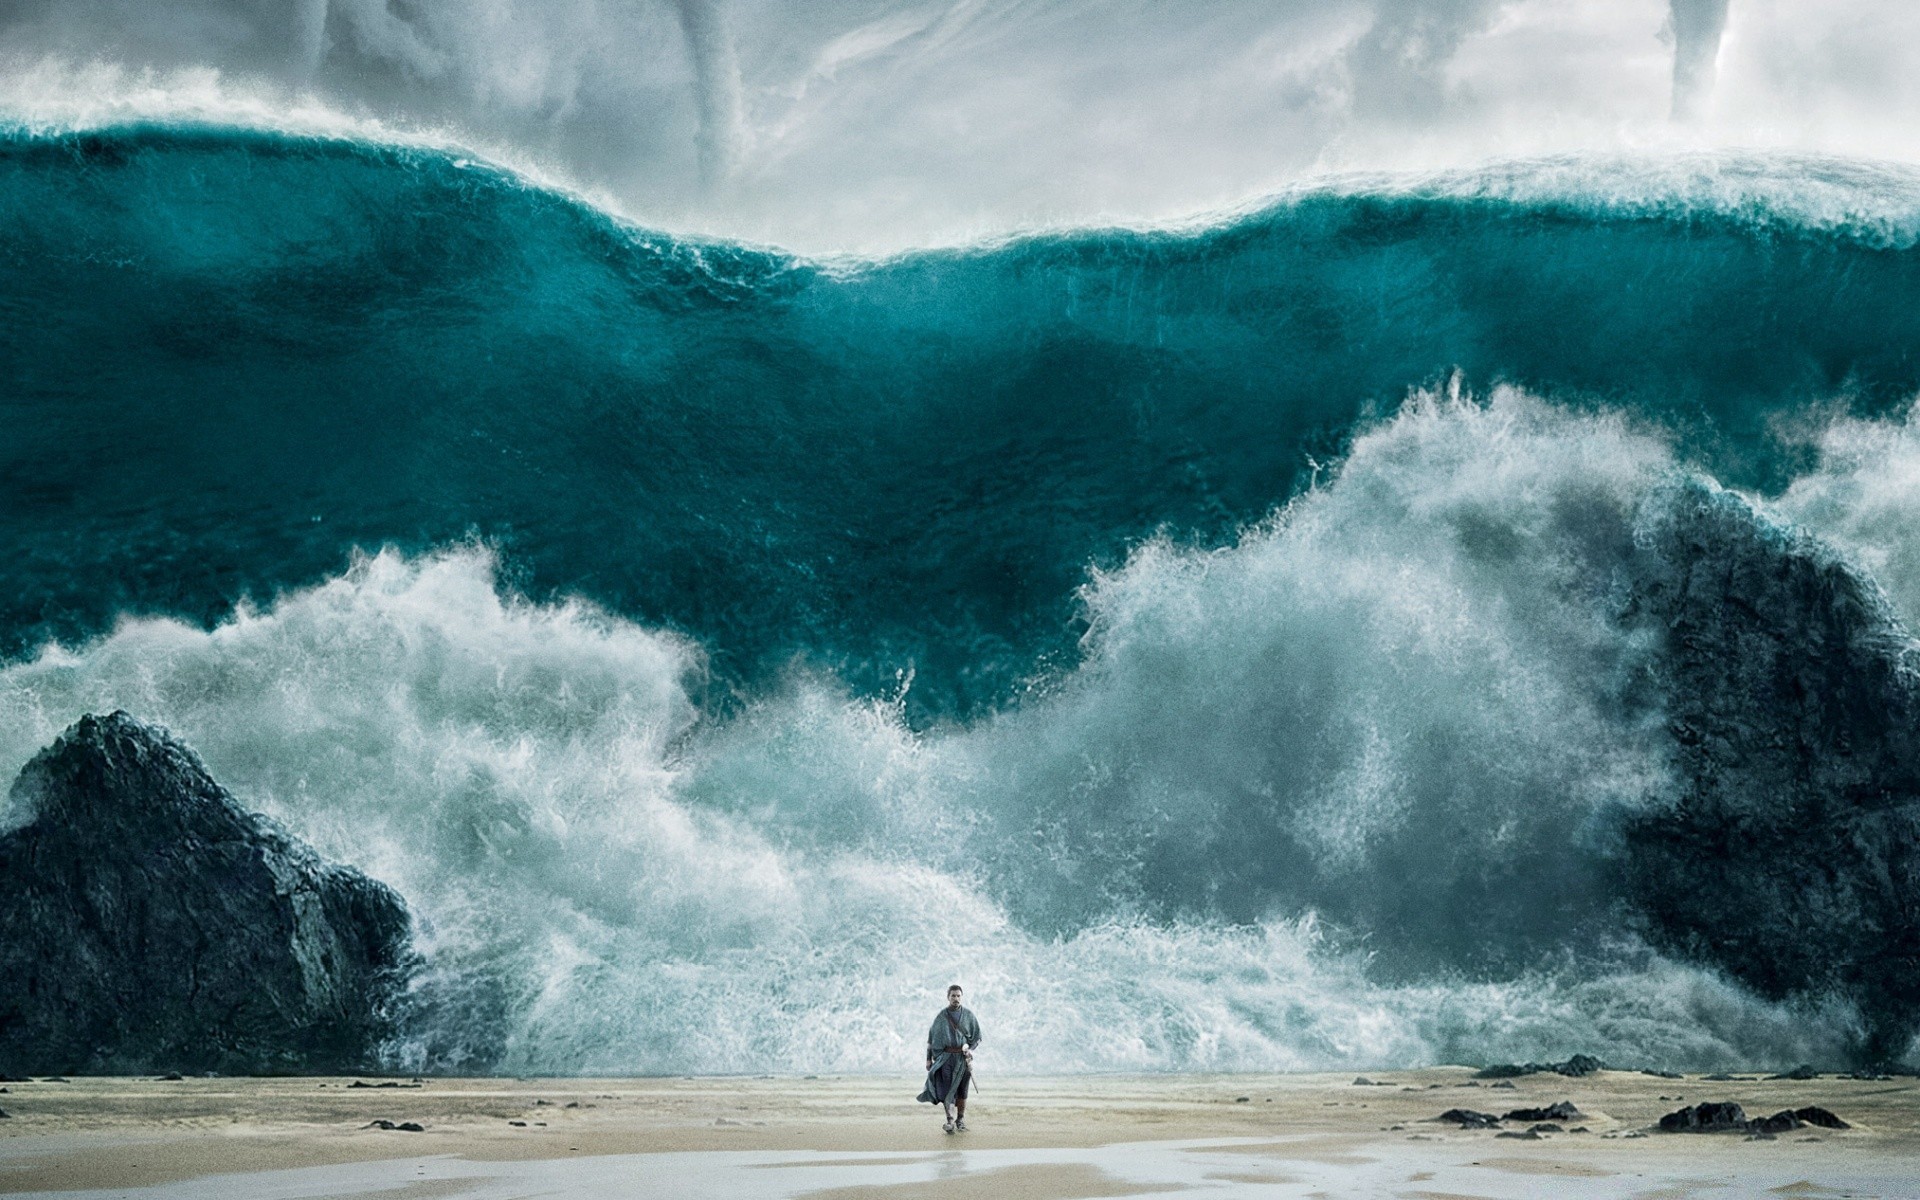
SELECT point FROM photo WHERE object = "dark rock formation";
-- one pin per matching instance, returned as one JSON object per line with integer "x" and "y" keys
{"x": 151, "y": 923}
{"x": 1731, "y": 1118}
{"x": 1813, "y": 1114}
{"x": 1578, "y": 1067}
{"x": 1466, "y": 1118}
{"x": 1791, "y": 857}
{"x": 1706, "y": 1118}
{"x": 1563, "y": 1111}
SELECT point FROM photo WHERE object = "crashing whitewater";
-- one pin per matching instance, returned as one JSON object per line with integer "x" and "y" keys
{"x": 1215, "y": 833}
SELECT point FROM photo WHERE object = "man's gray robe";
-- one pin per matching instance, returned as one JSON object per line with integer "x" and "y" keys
{"x": 952, "y": 1029}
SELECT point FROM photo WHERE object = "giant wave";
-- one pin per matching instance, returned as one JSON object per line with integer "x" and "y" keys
{"x": 758, "y": 640}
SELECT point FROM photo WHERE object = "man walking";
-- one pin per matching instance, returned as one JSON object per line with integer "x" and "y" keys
{"x": 950, "y": 1045}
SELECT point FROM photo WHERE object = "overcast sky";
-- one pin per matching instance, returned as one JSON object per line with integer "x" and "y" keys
{"x": 875, "y": 124}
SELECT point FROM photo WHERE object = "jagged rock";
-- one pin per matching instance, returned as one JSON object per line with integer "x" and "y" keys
{"x": 1730, "y": 1118}
{"x": 1706, "y": 1118}
{"x": 1577, "y": 1067}
{"x": 1466, "y": 1118}
{"x": 1780, "y": 1122}
{"x": 1813, "y": 1114}
{"x": 1563, "y": 1111}
{"x": 152, "y": 923}
{"x": 1506, "y": 1070}
{"x": 1791, "y": 856}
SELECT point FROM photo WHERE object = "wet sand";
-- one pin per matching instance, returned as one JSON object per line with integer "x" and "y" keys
{"x": 849, "y": 1138}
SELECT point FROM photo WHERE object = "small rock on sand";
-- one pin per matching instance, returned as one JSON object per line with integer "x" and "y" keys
{"x": 1563, "y": 1111}
{"x": 1467, "y": 1118}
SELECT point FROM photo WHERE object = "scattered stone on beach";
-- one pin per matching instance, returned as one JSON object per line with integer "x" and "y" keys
{"x": 174, "y": 1078}
{"x": 153, "y": 923}
{"x": 1711, "y": 1117}
{"x": 1661, "y": 1074}
{"x": 1579, "y": 1129}
{"x": 1526, "y": 1135}
{"x": 1577, "y": 1067}
{"x": 1869, "y": 1076}
{"x": 521, "y": 1124}
{"x": 1802, "y": 1072}
{"x": 1727, "y": 1117}
{"x": 1723, "y": 1077}
{"x": 402, "y": 1127}
{"x": 1467, "y": 1118}
{"x": 1546, "y": 1127}
{"x": 1363, "y": 1081}
{"x": 1243, "y": 1099}
{"x": 1563, "y": 1111}
{"x": 5, "y": 1115}
{"x": 387, "y": 1084}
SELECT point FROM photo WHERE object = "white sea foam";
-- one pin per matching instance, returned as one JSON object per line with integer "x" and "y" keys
{"x": 1380, "y": 702}
{"x": 1864, "y": 496}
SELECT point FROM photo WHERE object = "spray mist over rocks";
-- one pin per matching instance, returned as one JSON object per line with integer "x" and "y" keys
{"x": 1352, "y": 790}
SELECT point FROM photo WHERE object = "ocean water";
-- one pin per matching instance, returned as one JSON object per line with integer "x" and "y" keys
{"x": 1220, "y": 647}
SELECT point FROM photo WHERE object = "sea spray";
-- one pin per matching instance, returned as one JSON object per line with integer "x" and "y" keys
{"x": 612, "y": 876}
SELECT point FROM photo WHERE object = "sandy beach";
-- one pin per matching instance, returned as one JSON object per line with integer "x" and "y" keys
{"x": 845, "y": 1138}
